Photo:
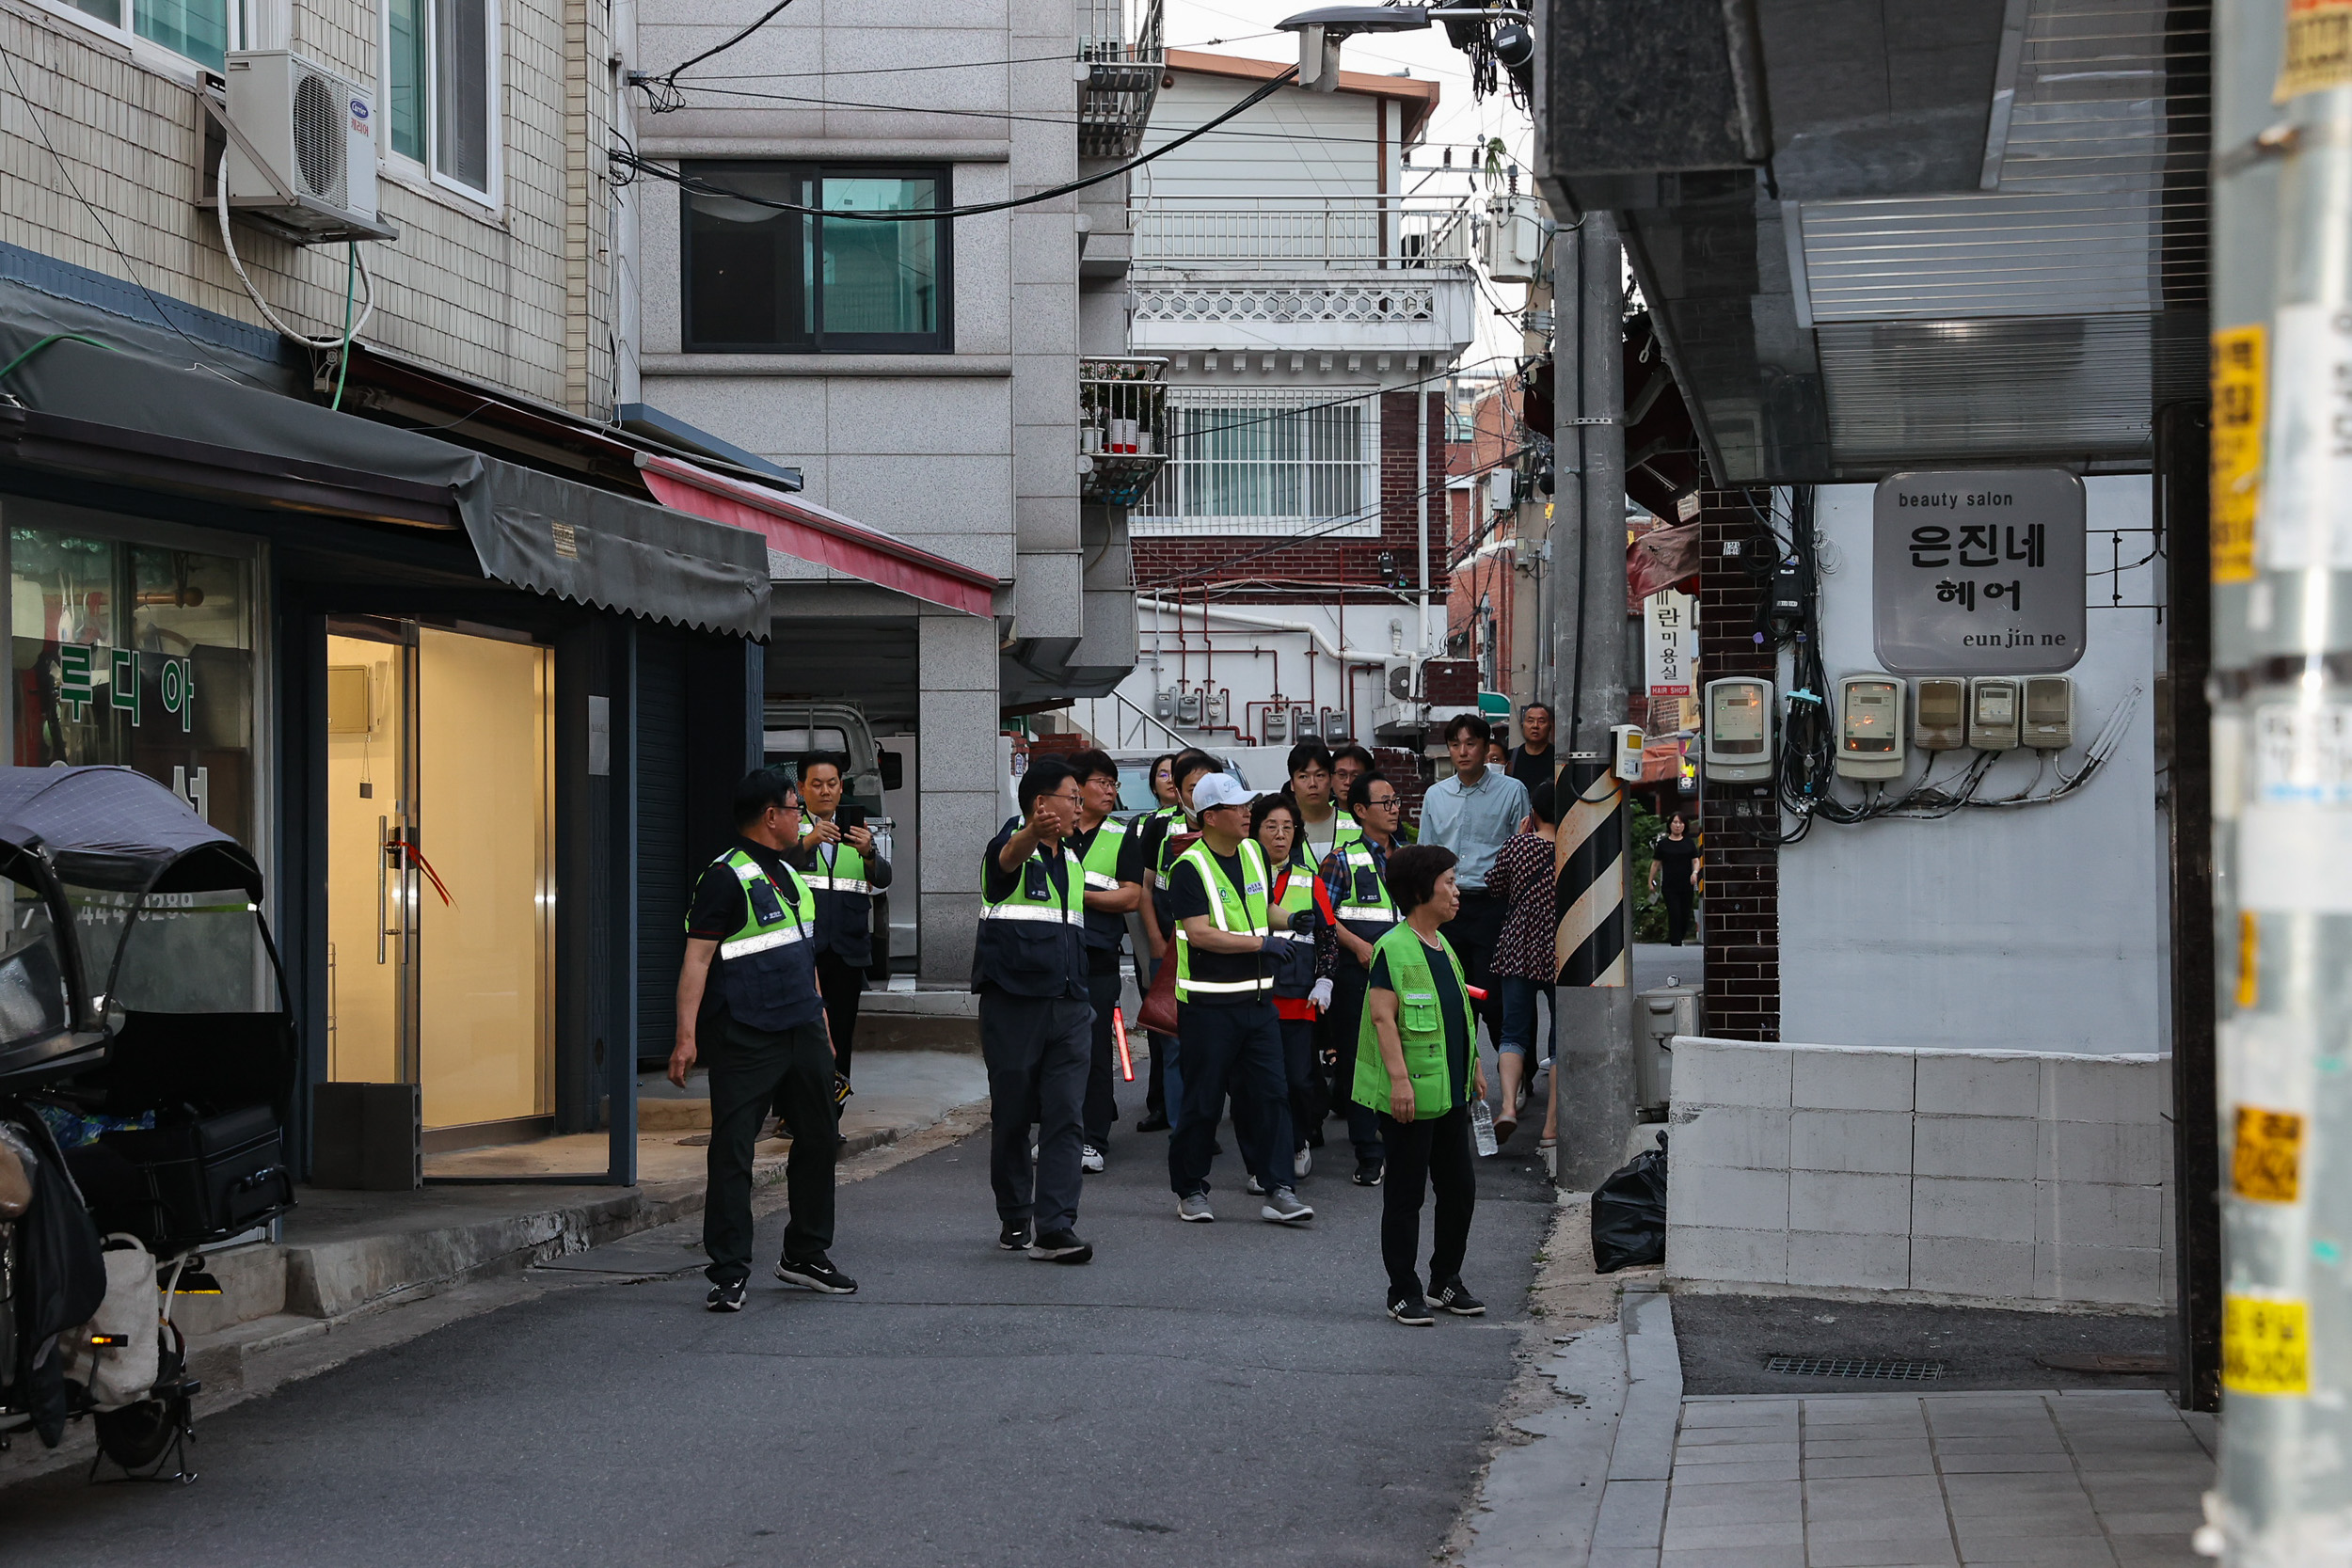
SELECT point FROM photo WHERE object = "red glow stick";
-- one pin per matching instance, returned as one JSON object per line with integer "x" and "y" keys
{"x": 1118, "y": 1033}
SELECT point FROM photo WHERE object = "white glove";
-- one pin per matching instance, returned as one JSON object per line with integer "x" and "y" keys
{"x": 1321, "y": 995}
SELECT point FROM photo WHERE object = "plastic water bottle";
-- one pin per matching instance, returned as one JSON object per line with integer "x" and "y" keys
{"x": 1483, "y": 1127}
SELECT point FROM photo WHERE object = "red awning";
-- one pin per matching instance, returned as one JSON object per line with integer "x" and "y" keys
{"x": 810, "y": 532}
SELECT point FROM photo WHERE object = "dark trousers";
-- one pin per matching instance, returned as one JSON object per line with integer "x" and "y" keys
{"x": 1341, "y": 1022}
{"x": 843, "y": 986}
{"x": 1424, "y": 1155}
{"x": 1679, "y": 904}
{"x": 1156, "y": 1101}
{"x": 1035, "y": 1052}
{"x": 1299, "y": 1060}
{"x": 753, "y": 1070}
{"x": 1237, "y": 1048}
{"x": 1102, "y": 1102}
{"x": 1473, "y": 932}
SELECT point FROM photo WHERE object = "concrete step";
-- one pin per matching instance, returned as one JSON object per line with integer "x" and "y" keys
{"x": 252, "y": 1285}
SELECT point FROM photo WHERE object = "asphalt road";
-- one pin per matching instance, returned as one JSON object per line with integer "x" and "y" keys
{"x": 1199, "y": 1394}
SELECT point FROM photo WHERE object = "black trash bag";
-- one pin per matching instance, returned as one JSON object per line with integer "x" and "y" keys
{"x": 60, "y": 1278}
{"x": 1630, "y": 1215}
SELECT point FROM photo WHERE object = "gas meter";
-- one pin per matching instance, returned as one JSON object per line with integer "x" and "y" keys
{"x": 1740, "y": 729}
{"x": 1993, "y": 713}
{"x": 1870, "y": 727}
{"x": 1939, "y": 714}
{"x": 2049, "y": 712}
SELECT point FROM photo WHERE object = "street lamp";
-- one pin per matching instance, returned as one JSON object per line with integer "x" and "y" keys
{"x": 1321, "y": 30}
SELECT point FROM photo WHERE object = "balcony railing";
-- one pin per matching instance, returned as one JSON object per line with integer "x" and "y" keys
{"x": 1122, "y": 427}
{"x": 1124, "y": 52}
{"x": 1274, "y": 234}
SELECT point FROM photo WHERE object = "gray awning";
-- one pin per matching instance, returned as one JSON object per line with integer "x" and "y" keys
{"x": 126, "y": 418}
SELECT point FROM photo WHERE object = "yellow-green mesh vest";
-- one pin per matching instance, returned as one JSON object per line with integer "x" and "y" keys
{"x": 1232, "y": 909}
{"x": 1419, "y": 1028}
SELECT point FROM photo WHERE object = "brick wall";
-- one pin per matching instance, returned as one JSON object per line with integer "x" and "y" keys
{"x": 490, "y": 295}
{"x": 1316, "y": 564}
{"x": 1741, "y": 912}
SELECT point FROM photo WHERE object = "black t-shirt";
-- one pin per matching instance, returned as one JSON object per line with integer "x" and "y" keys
{"x": 1674, "y": 858}
{"x": 1452, "y": 1006}
{"x": 718, "y": 910}
{"x": 1188, "y": 896}
{"x": 1530, "y": 767}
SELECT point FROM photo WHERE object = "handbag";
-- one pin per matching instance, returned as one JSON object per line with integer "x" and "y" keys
{"x": 1158, "y": 1013}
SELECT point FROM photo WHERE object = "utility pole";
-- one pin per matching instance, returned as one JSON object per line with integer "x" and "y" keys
{"x": 2281, "y": 529}
{"x": 1592, "y": 1080}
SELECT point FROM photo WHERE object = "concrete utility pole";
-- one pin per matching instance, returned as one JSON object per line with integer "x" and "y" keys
{"x": 1594, "y": 1079}
{"x": 2282, "y": 552}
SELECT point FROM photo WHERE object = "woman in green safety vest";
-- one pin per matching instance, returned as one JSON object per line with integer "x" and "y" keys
{"x": 1158, "y": 843}
{"x": 1416, "y": 1068}
{"x": 1274, "y": 823}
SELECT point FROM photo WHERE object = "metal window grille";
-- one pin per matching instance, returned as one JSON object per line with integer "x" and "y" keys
{"x": 1245, "y": 463}
{"x": 1887, "y": 1367}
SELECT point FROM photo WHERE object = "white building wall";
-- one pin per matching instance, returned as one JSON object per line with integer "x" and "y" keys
{"x": 2038, "y": 929}
{"x": 1297, "y": 143}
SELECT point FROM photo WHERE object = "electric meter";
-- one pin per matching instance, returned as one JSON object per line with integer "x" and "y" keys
{"x": 1993, "y": 713}
{"x": 1739, "y": 729}
{"x": 1870, "y": 727}
{"x": 2049, "y": 712}
{"x": 1626, "y": 742}
{"x": 1939, "y": 715}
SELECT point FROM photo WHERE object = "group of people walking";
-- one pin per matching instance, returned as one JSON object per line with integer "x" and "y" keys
{"x": 1326, "y": 960}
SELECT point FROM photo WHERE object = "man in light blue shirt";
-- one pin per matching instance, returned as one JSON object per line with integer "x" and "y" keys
{"x": 1474, "y": 813}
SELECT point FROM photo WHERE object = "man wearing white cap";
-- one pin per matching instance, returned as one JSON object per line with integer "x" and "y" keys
{"x": 1228, "y": 1036}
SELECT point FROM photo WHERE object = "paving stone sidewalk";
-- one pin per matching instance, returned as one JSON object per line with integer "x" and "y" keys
{"x": 2009, "y": 1480}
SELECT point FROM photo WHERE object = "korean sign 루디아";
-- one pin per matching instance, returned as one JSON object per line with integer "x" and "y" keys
{"x": 1978, "y": 572}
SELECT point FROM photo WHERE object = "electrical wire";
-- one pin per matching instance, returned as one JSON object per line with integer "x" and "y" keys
{"x": 668, "y": 99}
{"x": 220, "y": 202}
{"x": 695, "y": 185}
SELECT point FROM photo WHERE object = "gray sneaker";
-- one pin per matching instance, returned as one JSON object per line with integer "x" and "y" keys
{"x": 1284, "y": 1208}
{"x": 1194, "y": 1208}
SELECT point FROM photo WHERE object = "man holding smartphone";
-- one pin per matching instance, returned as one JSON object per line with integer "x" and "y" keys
{"x": 1029, "y": 967}
{"x": 747, "y": 999}
{"x": 846, "y": 867}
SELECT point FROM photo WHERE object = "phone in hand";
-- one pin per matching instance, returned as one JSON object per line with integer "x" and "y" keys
{"x": 847, "y": 817}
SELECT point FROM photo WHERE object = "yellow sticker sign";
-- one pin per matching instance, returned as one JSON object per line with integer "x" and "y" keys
{"x": 2318, "y": 48}
{"x": 2250, "y": 933}
{"x": 2266, "y": 1346}
{"x": 2266, "y": 1157}
{"x": 2238, "y": 384}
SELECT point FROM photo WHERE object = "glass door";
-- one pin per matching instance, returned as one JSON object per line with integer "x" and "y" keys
{"x": 371, "y": 795}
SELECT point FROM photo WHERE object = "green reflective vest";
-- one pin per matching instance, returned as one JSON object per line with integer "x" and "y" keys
{"x": 1294, "y": 967}
{"x": 1364, "y": 906}
{"x": 1101, "y": 862}
{"x": 1419, "y": 1028}
{"x": 838, "y": 868}
{"x": 1240, "y": 910}
{"x": 1034, "y": 944}
{"x": 1164, "y": 859}
{"x": 1344, "y": 830}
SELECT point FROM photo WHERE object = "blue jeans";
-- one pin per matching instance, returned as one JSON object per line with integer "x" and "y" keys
{"x": 1519, "y": 1014}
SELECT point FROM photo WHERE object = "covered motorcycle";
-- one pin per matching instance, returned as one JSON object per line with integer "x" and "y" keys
{"x": 147, "y": 1064}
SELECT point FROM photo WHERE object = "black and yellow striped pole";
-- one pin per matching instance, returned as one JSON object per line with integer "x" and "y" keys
{"x": 1588, "y": 889}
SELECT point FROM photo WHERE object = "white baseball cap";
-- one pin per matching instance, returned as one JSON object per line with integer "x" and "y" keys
{"x": 1220, "y": 789}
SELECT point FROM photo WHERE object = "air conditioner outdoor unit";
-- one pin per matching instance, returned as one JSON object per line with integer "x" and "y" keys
{"x": 301, "y": 154}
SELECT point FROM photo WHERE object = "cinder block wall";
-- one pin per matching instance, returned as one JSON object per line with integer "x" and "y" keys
{"x": 1991, "y": 1175}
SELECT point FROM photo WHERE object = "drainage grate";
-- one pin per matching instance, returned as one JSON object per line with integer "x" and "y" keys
{"x": 1891, "y": 1369}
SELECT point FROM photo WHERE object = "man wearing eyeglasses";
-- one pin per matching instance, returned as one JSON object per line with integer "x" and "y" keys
{"x": 1352, "y": 894}
{"x": 1037, "y": 1018}
{"x": 748, "y": 993}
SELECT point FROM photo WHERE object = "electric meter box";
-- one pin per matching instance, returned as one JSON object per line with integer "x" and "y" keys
{"x": 1740, "y": 729}
{"x": 1993, "y": 713}
{"x": 2049, "y": 712}
{"x": 1870, "y": 727}
{"x": 1939, "y": 714}
{"x": 1625, "y": 747}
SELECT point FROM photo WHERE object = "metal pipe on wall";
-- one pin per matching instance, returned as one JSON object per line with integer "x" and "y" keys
{"x": 1421, "y": 491}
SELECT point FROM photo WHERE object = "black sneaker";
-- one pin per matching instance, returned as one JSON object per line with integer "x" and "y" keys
{"x": 1153, "y": 1124}
{"x": 817, "y": 1274}
{"x": 725, "y": 1298}
{"x": 1455, "y": 1298}
{"x": 1061, "y": 1247}
{"x": 1014, "y": 1238}
{"x": 1369, "y": 1172}
{"x": 1412, "y": 1312}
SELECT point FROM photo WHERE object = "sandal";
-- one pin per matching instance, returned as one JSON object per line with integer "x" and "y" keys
{"x": 1504, "y": 1127}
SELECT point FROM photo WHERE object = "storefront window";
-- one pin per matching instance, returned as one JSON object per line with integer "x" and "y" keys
{"x": 136, "y": 655}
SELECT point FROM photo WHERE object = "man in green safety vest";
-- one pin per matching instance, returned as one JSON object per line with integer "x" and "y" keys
{"x": 1324, "y": 824}
{"x": 1353, "y": 895}
{"x": 1114, "y": 885}
{"x": 1029, "y": 967}
{"x": 748, "y": 1001}
{"x": 1229, "y": 1039}
{"x": 846, "y": 867}
{"x": 1156, "y": 833}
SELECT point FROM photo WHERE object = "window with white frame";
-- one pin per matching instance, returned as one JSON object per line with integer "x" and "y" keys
{"x": 441, "y": 88}
{"x": 1248, "y": 462}
{"x": 200, "y": 31}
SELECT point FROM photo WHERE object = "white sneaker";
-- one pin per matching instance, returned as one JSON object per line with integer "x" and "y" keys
{"x": 1254, "y": 1187}
{"x": 1090, "y": 1160}
{"x": 1303, "y": 1163}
